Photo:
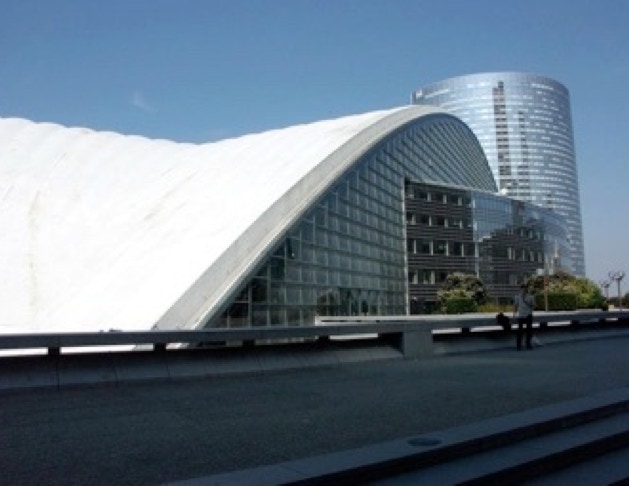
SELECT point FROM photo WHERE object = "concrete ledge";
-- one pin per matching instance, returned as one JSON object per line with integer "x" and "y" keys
{"x": 64, "y": 370}
{"x": 86, "y": 369}
{"x": 230, "y": 363}
{"x": 327, "y": 328}
{"x": 380, "y": 460}
{"x": 27, "y": 372}
{"x": 488, "y": 341}
{"x": 417, "y": 344}
{"x": 103, "y": 368}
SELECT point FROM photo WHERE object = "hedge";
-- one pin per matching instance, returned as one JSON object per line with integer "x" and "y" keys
{"x": 557, "y": 301}
{"x": 460, "y": 305}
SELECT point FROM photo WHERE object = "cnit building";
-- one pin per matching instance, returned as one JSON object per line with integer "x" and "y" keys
{"x": 364, "y": 214}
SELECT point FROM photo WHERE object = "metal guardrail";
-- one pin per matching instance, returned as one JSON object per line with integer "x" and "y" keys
{"x": 481, "y": 320}
{"x": 402, "y": 328}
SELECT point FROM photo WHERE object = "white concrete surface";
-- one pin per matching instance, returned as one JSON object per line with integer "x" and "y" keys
{"x": 102, "y": 230}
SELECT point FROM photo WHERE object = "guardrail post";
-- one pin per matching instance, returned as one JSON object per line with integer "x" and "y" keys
{"x": 54, "y": 351}
{"x": 159, "y": 347}
{"x": 416, "y": 343}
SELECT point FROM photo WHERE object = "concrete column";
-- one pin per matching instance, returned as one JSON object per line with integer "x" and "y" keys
{"x": 417, "y": 343}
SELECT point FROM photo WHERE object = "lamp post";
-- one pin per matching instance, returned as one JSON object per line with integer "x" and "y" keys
{"x": 617, "y": 276}
{"x": 605, "y": 286}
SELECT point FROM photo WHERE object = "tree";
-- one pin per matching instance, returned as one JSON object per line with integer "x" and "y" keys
{"x": 461, "y": 285}
{"x": 587, "y": 293}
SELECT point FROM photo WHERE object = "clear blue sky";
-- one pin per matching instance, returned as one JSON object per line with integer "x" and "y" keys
{"x": 202, "y": 70}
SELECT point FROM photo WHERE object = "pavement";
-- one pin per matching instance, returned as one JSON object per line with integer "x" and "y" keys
{"x": 160, "y": 432}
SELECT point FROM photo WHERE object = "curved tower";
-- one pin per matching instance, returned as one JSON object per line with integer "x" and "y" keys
{"x": 524, "y": 125}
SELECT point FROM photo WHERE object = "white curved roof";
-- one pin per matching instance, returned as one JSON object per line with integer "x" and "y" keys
{"x": 101, "y": 230}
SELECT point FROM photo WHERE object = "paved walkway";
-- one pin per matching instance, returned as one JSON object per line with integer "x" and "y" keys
{"x": 154, "y": 433}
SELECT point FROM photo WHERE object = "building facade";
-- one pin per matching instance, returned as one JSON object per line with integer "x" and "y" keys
{"x": 501, "y": 240}
{"x": 524, "y": 125}
{"x": 106, "y": 231}
{"x": 347, "y": 254}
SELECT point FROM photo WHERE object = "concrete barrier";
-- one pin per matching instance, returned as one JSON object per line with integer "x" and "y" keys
{"x": 272, "y": 349}
{"x": 410, "y": 332}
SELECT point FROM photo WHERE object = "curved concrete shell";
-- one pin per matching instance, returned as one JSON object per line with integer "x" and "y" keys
{"x": 101, "y": 230}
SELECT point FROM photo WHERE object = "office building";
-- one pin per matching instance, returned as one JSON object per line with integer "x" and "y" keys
{"x": 524, "y": 125}
{"x": 501, "y": 240}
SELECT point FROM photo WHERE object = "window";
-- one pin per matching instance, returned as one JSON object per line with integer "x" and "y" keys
{"x": 454, "y": 199}
{"x": 441, "y": 248}
{"x": 259, "y": 290}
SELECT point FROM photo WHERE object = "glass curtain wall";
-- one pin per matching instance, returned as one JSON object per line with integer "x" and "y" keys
{"x": 501, "y": 240}
{"x": 347, "y": 255}
{"x": 516, "y": 240}
{"x": 524, "y": 123}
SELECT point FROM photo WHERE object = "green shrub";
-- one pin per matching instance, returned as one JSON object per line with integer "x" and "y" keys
{"x": 460, "y": 285}
{"x": 557, "y": 301}
{"x": 494, "y": 308}
{"x": 588, "y": 294}
{"x": 460, "y": 305}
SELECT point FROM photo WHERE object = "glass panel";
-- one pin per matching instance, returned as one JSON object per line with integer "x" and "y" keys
{"x": 238, "y": 315}
{"x": 278, "y": 294}
{"x": 293, "y": 316}
{"x": 259, "y": 290}
{"x": 278, "y": 316}
{"x": 259, "y": 316}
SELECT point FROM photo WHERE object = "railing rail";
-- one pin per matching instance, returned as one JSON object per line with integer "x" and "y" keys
{"x": 412, "y": 332}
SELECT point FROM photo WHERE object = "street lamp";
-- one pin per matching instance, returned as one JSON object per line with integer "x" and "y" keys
{"x": 605, "y": 286}
{"x": 617, "y": 276}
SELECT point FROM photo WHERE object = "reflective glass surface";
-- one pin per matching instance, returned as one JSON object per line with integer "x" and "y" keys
{"x": 347, "y": 254}
{"x": 502, "y": 240}
{"x": 524, "y": 124}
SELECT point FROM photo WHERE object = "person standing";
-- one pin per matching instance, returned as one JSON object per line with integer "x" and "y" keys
{"x": 523, "y": 304}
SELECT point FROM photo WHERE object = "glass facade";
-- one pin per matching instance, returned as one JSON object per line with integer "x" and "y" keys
{"x": 347, "y": 255}
{"x": 501, "y": 240}
{"x": 524, "y": 125}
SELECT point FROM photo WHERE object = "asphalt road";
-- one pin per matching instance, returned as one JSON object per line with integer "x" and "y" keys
{"x": 150, "y": 433}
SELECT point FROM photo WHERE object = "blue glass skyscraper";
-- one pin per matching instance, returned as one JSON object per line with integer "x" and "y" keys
{"x": 524, "y": 124}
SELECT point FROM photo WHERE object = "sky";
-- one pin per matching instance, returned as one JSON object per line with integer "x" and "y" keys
{"x": 205, "y": 70}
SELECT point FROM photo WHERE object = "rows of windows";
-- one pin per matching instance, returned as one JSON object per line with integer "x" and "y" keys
{"x": 524, "y": 125}
{"x": 427, "y": 277}
{"x": 347, "y": 255}
{"x": 440, "y": 247}
{"x": 413, "y": 192}
{"x": 510, "y": 240}
{"x": 412, "y": 218}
